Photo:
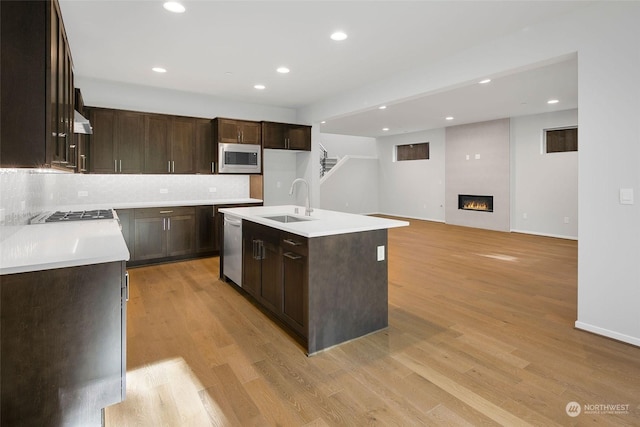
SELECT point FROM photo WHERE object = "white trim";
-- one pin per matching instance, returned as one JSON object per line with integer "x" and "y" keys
{"x": 608, "y": 333}
{"x": 536, "y": 233}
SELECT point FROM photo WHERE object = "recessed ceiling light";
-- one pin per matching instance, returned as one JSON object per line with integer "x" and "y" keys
{"x": 283, "y": 70}
{"x": 260, "y": 87}
{"x": 382, "y": 107}
{"x": 338, "y": 36}
{"x": 552, "y": 101}
{"x": 484, "y": 82}
{"x": 449, "y": 118}
{"x": 323, "y": 122}
{"x": 385, "y": 129}
{"x": 174, "y": 6}
{"x": 159, "y": 70}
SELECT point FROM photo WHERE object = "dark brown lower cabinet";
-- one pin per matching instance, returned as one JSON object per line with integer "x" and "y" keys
{"x": 163, "y": 232}
{"x": 262, "y": 264}
{"x": 63, "y": 344}
{"x": 205, "y": 230}
{"x": 327, "y": 290}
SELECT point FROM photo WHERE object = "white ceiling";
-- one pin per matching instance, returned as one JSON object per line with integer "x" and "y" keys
{"x": 223, "y": 48}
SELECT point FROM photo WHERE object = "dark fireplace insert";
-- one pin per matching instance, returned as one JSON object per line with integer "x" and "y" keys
{"x": 469, "y": 202}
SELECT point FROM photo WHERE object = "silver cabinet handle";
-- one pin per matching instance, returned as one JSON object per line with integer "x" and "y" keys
{"x": 168, "y": 223}
{"x": 292, "y": 242}
{"x": 166, "y": 212}
{"x": 291, "y": 255}
{"x": 164, "y": 224}
{"x": 115, "y": 166}
{"x": 120, "y": 165}
{"x": 168, "y": 166}
{"x": 173, "y": 166}
{"x": 126, "y": 284}
{"x": 212, "y": 168}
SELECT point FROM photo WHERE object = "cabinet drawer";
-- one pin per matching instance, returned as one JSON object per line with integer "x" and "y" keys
{"x": 167, "y": 211}
{"x": 294, "y": 243}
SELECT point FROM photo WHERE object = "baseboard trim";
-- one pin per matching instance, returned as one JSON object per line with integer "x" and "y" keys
{"x": 408, "y": 217}
{"x": 608, "y": 333}
{"x": 536, "y": 233}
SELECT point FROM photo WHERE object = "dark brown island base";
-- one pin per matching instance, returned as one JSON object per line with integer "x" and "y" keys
{"x": 326, "y": 289}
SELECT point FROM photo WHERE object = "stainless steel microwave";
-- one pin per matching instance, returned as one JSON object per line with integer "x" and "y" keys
{"x": 239, "y": 158}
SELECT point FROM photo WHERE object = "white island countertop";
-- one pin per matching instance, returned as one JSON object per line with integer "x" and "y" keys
{"x": 47, "y": 246}
{"x": 319, "y": 223}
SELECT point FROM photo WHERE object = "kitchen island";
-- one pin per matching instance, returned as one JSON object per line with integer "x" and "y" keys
{"x": 323, "y": 276}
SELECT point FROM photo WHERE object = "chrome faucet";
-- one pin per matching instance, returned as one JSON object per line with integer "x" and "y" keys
{"x": 307, "y": 207}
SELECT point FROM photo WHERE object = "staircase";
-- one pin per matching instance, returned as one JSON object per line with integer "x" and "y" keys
{"x": 326, "y": 162}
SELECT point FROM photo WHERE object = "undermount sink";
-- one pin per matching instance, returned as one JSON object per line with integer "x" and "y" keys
{"x": 287, "y": 218}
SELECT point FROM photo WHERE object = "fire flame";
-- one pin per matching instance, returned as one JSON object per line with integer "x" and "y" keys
{"x": 476, "y": 205}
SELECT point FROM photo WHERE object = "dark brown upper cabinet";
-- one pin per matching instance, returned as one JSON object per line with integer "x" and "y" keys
{"x": 169, "y": 144}
{"x": 117, "y": 142}
{"x": 204, "y": 147}
{"x": 236, "y": 131}
{"x": 36, "y": 85}
{"x": 286, "y": 136}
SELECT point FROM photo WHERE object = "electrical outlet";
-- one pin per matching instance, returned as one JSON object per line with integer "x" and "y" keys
{"x": 213, "y": 189}
{"x": 381, "y": 253}
{"x": 477, "y": 156}
{"x": 566, "y": 220}
{"x": 164, "y": 191}
{"x": 524, "y": 216}
{"x": 83, "y": 193}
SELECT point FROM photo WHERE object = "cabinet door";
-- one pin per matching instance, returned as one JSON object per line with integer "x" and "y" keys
{"x": 183, "y": 137}
{"x": 251, "y": 264}
{"x": 204, "y": 147}
{"x": 150, "y": 238}
{"x": 294, "y": 284}
{"x": 273, "y": 135}
{"x": 228, "y": 131}
{"x": 156, "y": 144}
{"x": 180, "y": 234}
{"x": 270, "y": 290}
{"x": 205, "y": 229}
{"x": 250, "y": 133}
{"x": 102, "y": 141}
{"x": 130, "y": 142}
{"x": 299, "y": 138}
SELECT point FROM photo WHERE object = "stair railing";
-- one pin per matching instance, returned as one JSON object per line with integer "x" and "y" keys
{"x": 323, "y": 160}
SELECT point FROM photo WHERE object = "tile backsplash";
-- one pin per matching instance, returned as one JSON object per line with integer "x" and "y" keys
{"x": 26, "y": 192}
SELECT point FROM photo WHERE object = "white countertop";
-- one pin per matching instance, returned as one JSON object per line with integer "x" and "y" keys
{"x": 48, "y": 246}
{"x": 320, "y": 223}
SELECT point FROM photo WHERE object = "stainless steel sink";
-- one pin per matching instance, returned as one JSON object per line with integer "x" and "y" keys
{"x": 287, "y": 218}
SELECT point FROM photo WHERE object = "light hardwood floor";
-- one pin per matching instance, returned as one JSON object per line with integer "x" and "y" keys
{"x": 480, "y": 333}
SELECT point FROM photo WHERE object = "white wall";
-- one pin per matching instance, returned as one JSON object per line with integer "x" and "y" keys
{"x": 279, "y": 172}
{"x": 606, "y": 37}
{"x": 415, "y": 188}
{"x": 343, "y": 145}
{"x": 352, "y": 186}
{"x": 544, "y": 186}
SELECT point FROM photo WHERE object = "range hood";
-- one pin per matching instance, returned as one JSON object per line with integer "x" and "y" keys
{"x": 81, "y": 124}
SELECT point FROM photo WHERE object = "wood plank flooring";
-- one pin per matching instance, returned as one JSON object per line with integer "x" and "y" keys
{"x": 480, "y": 333}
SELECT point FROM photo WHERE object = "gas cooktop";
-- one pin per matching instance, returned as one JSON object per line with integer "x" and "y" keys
{"x": 60, "y": 216}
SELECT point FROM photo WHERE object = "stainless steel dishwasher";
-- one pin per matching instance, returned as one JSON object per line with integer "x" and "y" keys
{"x": 232, "y": 250}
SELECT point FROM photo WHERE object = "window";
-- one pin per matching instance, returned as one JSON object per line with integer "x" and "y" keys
{"x": 561, "y": 140}
{"x": 419, "y": 151}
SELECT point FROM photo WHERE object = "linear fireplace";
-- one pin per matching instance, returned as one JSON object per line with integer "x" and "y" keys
{"x": 469, "y": 202}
